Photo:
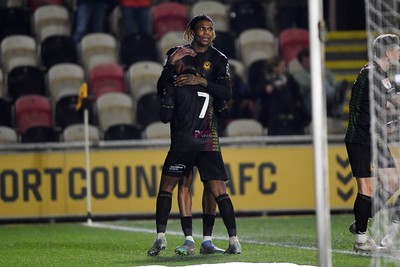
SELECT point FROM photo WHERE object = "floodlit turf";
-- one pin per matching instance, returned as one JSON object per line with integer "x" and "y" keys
{"x": 264, "y": 239}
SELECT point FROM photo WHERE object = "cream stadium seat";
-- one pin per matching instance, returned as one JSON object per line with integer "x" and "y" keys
{"x": 8, "y": 135}
{"x": 18, "y": 50}
{"x": 98, "y": 48}
{"x": 217, "y": 11}
{"x": 76, "y": 133}
{"x": 157, "y": 130}
{"x": 244, "y": 127}
{"x": 115, "y": 108}
{"x": 168, "y": 41}
{"x": 256, "y": 44}
{"x": 65, "y": 79}
{"x": 51, "y": 20}
{"x": 142, "y": 78}
{"x": 2, "y": 85}
{"x": 239, "y": 68}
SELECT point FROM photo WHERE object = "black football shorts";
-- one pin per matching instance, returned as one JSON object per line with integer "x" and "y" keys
{"x": 210, "y": 164}
{"x": 361, "y": 160}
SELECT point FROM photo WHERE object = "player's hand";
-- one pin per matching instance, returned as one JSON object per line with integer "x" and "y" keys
{"x": 180, "y": 53}
{"x": 187, "y": 79}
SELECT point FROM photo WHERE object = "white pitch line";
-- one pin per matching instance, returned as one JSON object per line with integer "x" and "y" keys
{"x": 146, "y": 230}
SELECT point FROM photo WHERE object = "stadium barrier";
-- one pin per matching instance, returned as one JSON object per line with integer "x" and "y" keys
{"x": 268, "y": 174}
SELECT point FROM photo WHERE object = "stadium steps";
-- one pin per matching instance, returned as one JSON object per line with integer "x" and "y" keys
{"x": 345, "y": 53}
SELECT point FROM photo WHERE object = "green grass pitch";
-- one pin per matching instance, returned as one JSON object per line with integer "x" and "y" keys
{"x": 264, "y": 239}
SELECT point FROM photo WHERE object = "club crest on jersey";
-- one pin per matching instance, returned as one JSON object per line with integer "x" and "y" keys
{"x": 207, "y": 65}
{"x": 386, "y": 83}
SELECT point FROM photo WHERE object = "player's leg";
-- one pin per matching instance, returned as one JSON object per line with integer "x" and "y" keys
{"x": 185, "y": 209}
{"x": 360, "y": 161}
{"x": 213, "y": 175}
{"x": 225, "y": 206}
{"x": 209, "y": 206}
{"x": 163, "y": 208}
{"x": 169, "y": 179}
{"x": 390, "y": 181}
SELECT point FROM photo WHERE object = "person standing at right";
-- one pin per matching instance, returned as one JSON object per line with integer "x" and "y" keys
{"x": 359, "y": 139}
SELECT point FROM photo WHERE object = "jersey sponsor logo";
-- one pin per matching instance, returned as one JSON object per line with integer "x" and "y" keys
{"x": 207, "y": 65}
{"x": 386, "y": 83}
{"x": 203, "y": 133}
{"x": 178, "y": 168}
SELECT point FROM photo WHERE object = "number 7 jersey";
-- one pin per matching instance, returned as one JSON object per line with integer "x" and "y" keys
{"x": 194, "y": 125}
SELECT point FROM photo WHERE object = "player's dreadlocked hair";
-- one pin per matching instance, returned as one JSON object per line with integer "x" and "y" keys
{"x": 383, "y": 43}
{"x": 188, "y": 35}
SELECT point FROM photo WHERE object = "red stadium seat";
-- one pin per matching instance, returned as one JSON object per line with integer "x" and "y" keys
{"x": 33, "y": 111}
{"x": 291, "y": 41}
{"x": 169, "y": 16}
{"x": 106, "y": 78}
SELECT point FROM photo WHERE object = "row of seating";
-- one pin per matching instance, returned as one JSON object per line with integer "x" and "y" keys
{"x": 46, "y": 15}
{"x": 100, "y": 48}
{"x": 76, "y": 132}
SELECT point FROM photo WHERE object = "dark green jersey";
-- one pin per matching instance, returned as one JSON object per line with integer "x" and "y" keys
{"x": 359, "y": 128}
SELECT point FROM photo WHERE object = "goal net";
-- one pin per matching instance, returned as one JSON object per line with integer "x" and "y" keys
{"x": 383, "y": 17}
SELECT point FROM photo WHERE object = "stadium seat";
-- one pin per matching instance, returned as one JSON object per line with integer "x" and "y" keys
{"x": 247, "y": 14}
{"x": 291, "y": 41}
{"x": 142, "y": 78}
{"x": 226, "y": 43}
{"x": 115, "y": 22}
{"x": 148, "y": 108}
{"x": 138, "y": 47}
{"x": 26, "y": 80}
{"x": 8, "y": 135}
{"x": 114, "y": 108}
{"x": 122, "y": 132}
{"x": 49, "y": 20}
{"x": 65, "y": 79}
{"x": 255, "y": 44}
{"x": 66, "y": 113}
{"x": 3, "y": 88}
{"x": 239, "y": 68}
{"x": 157, "y": 130}
{"x": 35, "y": 4}
{"x": 51, "y": 47}
{"x": 98, "y": 48}
{"x": 6, "y": 113}
{"x": 76, "y": 133}
{"x": 40, "y": 134}
{"x": 167, "y": 17}
{"x": 219, "y": 13}
{"x": 169, "y": 40}
{"x": 105, "y": 78}
{"x": 14, "y": 21}
{"x": 32, "y": 111}
{"x": 244, "y": 127}
{"x": 18, "y": 50}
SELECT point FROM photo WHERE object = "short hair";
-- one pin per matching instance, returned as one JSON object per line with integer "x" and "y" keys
{"x": 383, "y": 43}
{"x": 187, "y": 35}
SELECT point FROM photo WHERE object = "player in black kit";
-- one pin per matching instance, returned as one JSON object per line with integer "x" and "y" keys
{"x": 359, "y": 140}
{"x": 195, "y": 79}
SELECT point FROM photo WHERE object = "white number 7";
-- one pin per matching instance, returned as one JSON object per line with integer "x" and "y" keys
{"x": 205, "y": 105}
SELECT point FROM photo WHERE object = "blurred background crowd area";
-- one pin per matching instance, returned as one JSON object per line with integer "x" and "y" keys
{"x": 50, "y": 47}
